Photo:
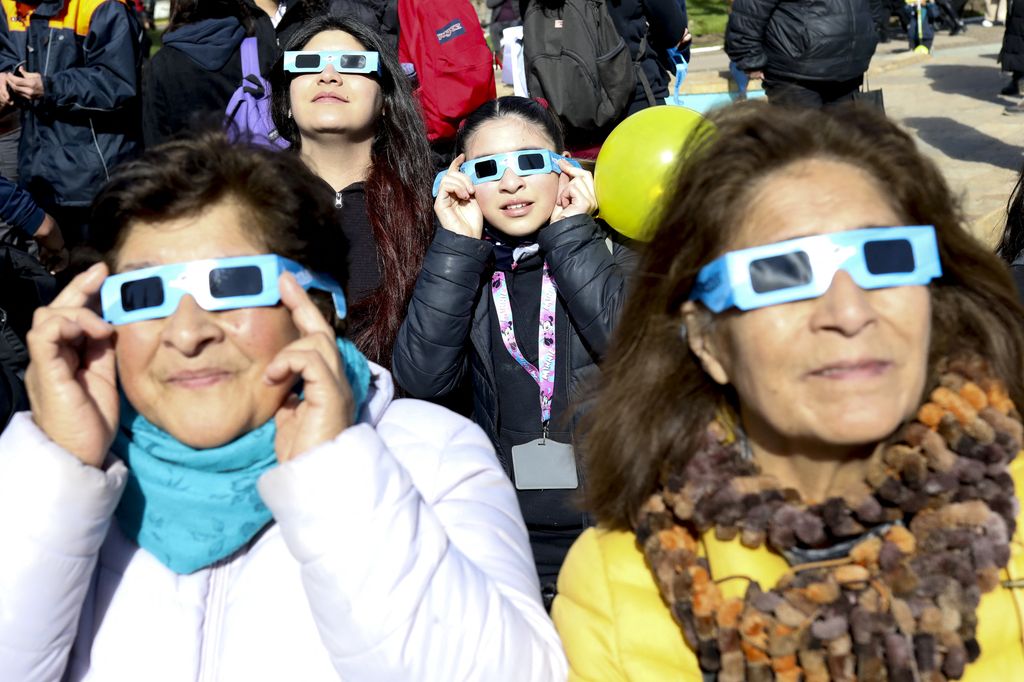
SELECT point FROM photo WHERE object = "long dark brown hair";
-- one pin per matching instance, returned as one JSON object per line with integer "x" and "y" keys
{"x": 398, "y": 199}
{"x": 1012, "y": 243}
{"x": 655, "y": 400}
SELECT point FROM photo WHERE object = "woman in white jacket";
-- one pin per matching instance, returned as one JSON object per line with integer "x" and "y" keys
{"x": 212, "y": 485}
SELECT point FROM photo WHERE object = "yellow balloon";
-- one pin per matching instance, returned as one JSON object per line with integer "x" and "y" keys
{"x": 636, "y": 163}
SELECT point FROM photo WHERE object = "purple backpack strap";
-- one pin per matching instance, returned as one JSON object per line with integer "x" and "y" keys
{"x": 250, "y": 57}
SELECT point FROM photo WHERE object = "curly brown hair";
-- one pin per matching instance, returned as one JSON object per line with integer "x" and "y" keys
{"x": 277, "y": 193}
{"x": 655, "y": 401}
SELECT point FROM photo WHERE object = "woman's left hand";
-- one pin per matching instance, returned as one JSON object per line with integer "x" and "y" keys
{"x": 327, "y": 407}
{"x": 576, "y": 195}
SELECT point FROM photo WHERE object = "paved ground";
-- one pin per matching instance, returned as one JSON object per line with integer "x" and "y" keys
{"x": 950, "y": 101}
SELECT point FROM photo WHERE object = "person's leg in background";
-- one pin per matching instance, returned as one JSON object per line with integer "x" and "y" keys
{"x": 793, "y": 93}
{"x": 880, "y": 14}
{"x": 835, "y": 93}
{"x": 896, "y": 9}
{"x": 995, "y": 13}
{"x": 1013, "y": 88}
{"x": 952, "y": 17}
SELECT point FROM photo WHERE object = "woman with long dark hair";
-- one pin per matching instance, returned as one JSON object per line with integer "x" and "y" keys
{"x": 340, "y": 97}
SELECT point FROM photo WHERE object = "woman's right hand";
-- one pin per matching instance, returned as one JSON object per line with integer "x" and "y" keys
{"x": 455, "y": 206}
{"x": 72, "y": 377}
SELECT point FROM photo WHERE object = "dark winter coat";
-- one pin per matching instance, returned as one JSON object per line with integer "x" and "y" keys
{"x": 818, "y": 40}
{"x": 449, "y": 335}
{"x": 661, "y": 22}
{"x": 295, "y": 15}
{"x": 25, "y": 285}
{"x": 190, "y": 80}
{"x": 13, "y": 397}
{"x": 88, "y": 118}
{"x": 1012, "y": 54}
{"x": 18, "y": 209}
{"x": 380, "y": 15}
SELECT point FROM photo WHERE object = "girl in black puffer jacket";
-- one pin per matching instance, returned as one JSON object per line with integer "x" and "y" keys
{"x": 517, "y": 224}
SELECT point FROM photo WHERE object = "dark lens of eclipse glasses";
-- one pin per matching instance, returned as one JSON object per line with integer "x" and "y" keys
{"x": 142, "y": 293}
{"x": 240, "y": 281}
{"x": 307, "y": 61}
{"x": 352, "y": 61}
{"x": 531, "y": 162}
{"x": 889, "y": 256}
{"x": 488, "y": 168}
{"x": 780, "y": 272}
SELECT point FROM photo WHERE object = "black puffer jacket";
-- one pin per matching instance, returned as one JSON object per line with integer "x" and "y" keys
{"x": 449, "y": 335}
{"x": 1012, "y": 54}
{"x": 820, "y": 40}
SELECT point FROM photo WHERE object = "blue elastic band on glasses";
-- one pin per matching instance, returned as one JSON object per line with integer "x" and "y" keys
{"x": 803, "y": 268}
{"x": 343, "y": 61}
{"x": 522, "y": 163}
{"x": 215, "y": 284}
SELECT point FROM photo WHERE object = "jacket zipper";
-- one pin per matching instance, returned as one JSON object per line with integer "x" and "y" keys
{"x": 213, "y": 622}
{"x": 338, "y": 200}
{"x": 46, "y": 62}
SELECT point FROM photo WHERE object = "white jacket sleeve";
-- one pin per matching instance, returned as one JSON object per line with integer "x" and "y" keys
{"x": 414, "y": 554}
{"x": 54, "y": 516}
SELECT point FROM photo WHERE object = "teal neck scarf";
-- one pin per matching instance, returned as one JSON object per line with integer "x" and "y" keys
{"x": 190, "y": 508}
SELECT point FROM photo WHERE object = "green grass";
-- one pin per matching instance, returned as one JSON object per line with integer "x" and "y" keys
{"x": 707, "y": 17}
{"x": 155, "y": 34}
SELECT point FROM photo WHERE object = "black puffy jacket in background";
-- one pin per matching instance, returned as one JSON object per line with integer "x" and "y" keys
{"x": 817, "y": 40}
{"x": 1011, "y": 56}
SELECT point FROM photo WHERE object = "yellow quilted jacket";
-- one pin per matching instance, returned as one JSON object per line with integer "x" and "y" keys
{"x": 615, "y": 626}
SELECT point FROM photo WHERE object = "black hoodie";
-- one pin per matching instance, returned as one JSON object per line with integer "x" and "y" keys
{"x": 190, "y": 80}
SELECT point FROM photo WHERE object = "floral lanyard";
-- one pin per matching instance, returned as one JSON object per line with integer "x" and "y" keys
{"x": 545, "y": 374}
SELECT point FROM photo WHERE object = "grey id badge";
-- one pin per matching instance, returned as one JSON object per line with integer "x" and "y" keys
{"x": 544, "y": 464}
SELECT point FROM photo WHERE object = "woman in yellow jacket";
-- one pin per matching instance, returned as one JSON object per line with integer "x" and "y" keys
{"x": 803, "y": 454}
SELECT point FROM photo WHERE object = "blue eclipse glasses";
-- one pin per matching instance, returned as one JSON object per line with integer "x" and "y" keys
{"x": 798, "y": 269}
{"x": 343, "y": 61}
{"x": 522, "y": 163}
{"x": 215, "y": 284}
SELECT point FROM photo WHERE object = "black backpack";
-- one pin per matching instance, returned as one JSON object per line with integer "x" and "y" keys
{"x": 578, "y": 62}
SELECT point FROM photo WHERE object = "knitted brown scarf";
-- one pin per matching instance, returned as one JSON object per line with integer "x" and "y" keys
{"x": 928, "y": 533}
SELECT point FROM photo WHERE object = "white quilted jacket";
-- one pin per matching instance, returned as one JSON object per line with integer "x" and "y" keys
{"x": 398, "y": 553}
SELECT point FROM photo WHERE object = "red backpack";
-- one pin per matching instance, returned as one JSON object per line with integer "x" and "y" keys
{"x": 445, "y": 43}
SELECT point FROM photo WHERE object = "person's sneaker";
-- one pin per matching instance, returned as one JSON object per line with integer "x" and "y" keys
{"x": 1012, "y": 89}
{"x": 1017, "y": 108}
{"x": 986, "y": 23}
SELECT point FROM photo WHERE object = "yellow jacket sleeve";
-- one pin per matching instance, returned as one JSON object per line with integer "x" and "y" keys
{"x": 584, "y": 616}
{"x": 612, "y": 620}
